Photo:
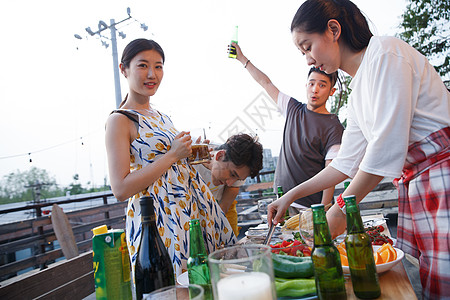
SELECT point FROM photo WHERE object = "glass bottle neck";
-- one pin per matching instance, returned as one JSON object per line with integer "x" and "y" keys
{"x": 197, "y": 244}
{"x": 354, "y": 221}
{"x": 147, "y": 212}
{"x": 322, "y": 234}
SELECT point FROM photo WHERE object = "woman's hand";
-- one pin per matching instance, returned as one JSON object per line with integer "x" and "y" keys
{"x": 337, "y": 221}
{"x": 181, "y": 145}
{"x": 277, "y": 210}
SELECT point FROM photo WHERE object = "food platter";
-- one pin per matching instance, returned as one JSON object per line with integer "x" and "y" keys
{"x": 382, "y": 267}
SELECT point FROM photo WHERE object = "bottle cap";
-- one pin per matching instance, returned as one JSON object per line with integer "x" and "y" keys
{"x": 350, "y": 199}
{"x": 100, "y": 230}
{"x": 317, "y": 206}
{"x": 194, "y": 221}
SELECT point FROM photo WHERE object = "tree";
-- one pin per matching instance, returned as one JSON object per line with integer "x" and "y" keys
{"x": 340, "y": 98}
{"x": 14, "y": 185}
{"x": 426, "y": 28}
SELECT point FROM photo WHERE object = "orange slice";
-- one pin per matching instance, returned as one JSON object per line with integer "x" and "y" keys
{"x": 378, "y": 258}
{"x": 387, "y": 253}
{"x": 344, "y": 260}
{"x": 384, "y": 247}
{"x": 393, "y": 252}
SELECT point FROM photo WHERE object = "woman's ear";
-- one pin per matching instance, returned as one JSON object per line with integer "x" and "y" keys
{"x": 123, "y": 70}
{"x": 335, "y": 28}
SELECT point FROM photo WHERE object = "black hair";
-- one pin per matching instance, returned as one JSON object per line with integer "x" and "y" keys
{"x": 333, "y": 78}
{"x": 313, "y": 17}
{"x": 137, "y": 46}
{"x": 244, "y": 150}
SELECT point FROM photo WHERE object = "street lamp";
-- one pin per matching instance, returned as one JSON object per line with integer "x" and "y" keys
{"x": 112, "y": 27}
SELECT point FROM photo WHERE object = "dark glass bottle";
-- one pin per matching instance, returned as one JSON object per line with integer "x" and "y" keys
{"x": 153, "y": 269}
{"x": 330, "y": 282}
{"x": 360, "y": 254}
{"x": 197, "y": 264}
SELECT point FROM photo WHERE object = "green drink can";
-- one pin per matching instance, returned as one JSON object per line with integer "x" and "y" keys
{"x": 112, "y": 274}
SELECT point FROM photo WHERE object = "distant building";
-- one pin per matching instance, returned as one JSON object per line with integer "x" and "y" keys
{"x": 269, "y": 165}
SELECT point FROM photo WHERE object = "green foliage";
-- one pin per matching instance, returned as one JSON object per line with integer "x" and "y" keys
{"x": 426, "y": 28}
{"x": 340, "y": 98}
{"x": 21, "y": 186}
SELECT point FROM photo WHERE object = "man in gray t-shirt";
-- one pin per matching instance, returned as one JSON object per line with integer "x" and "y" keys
{"x": 312, "y": 135}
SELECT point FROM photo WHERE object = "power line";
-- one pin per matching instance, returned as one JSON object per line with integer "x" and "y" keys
{"x": 47, "y": 148}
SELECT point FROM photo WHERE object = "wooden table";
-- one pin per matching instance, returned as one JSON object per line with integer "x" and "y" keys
{"x": 394, "y": 284}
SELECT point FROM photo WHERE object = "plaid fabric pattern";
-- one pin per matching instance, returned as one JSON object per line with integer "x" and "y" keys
{"x": 423, "y": 218}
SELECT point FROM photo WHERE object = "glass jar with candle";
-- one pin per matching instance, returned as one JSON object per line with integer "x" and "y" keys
{"x": 242, "y": 272}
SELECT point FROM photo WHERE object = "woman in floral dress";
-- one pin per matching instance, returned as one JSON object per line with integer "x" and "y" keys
{"x": 148, "y": 156}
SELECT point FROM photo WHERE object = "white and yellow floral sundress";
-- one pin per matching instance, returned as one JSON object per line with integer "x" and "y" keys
{"x": 180, "y": 195}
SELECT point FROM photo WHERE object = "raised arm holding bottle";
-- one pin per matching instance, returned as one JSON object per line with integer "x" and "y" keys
{"x": 320, "y": 131}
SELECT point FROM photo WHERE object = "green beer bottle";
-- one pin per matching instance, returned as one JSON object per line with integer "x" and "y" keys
{"x": 197, "y": 264}
{"x": 279, "y": 195}
{"x": 346, "y": 184}
{"x": 232, "y": 52}
{"x": 330, "y": 282}
{"x": 360, "y": 254}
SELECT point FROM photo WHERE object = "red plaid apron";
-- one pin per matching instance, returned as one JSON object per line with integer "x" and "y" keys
{"x": 424, "y": 211}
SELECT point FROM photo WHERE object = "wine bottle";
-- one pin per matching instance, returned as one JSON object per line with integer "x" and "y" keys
{"x": 197, "y": 264}
{"x": 232, "y": 52}
{"x": 153, "y": 268}
{"x": 330, "y": 282}
{"x": 360, "y": 254}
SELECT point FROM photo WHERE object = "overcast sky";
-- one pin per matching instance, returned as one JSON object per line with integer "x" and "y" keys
{"x": 56, "y": 91}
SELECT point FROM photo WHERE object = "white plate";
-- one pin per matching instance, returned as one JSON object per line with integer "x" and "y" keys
{"x": 383, "y": 267}
{"x": 183, "y": 279}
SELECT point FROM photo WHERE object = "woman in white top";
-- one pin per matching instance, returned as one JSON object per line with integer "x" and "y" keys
{"x": 398, "y": 126}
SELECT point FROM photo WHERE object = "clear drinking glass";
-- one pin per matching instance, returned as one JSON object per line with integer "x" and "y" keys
{"x": 242, "y": 272}
{"x": 200, "y": 150}
{"x": 262, "y": 208}
{"x": 177, "y": 292}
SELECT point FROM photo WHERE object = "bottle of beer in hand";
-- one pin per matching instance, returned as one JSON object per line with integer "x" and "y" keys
{"x": 232, "y": 50}
{"x": 153, "y": 269}
{"x": 197, "y": 264}
{"x": 330, "y": 282}
{"x": 360, "y": 254}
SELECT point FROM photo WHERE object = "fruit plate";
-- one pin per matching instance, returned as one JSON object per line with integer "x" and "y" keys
{"x": 382, "y": 267}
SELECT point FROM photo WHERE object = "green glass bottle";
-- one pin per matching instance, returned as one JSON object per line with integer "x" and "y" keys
{"x": 279, "y": 195}
{"x": 346, "y": 184}
{"x": 232, "y": 52}
{"x": 360, "y": 254}
{"x": 330, "y": 282}
{"x": 197, "y": 264}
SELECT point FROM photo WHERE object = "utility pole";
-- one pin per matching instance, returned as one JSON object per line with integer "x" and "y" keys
{"x": 112, "y": 27}
{"x": 38, "y": 213}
